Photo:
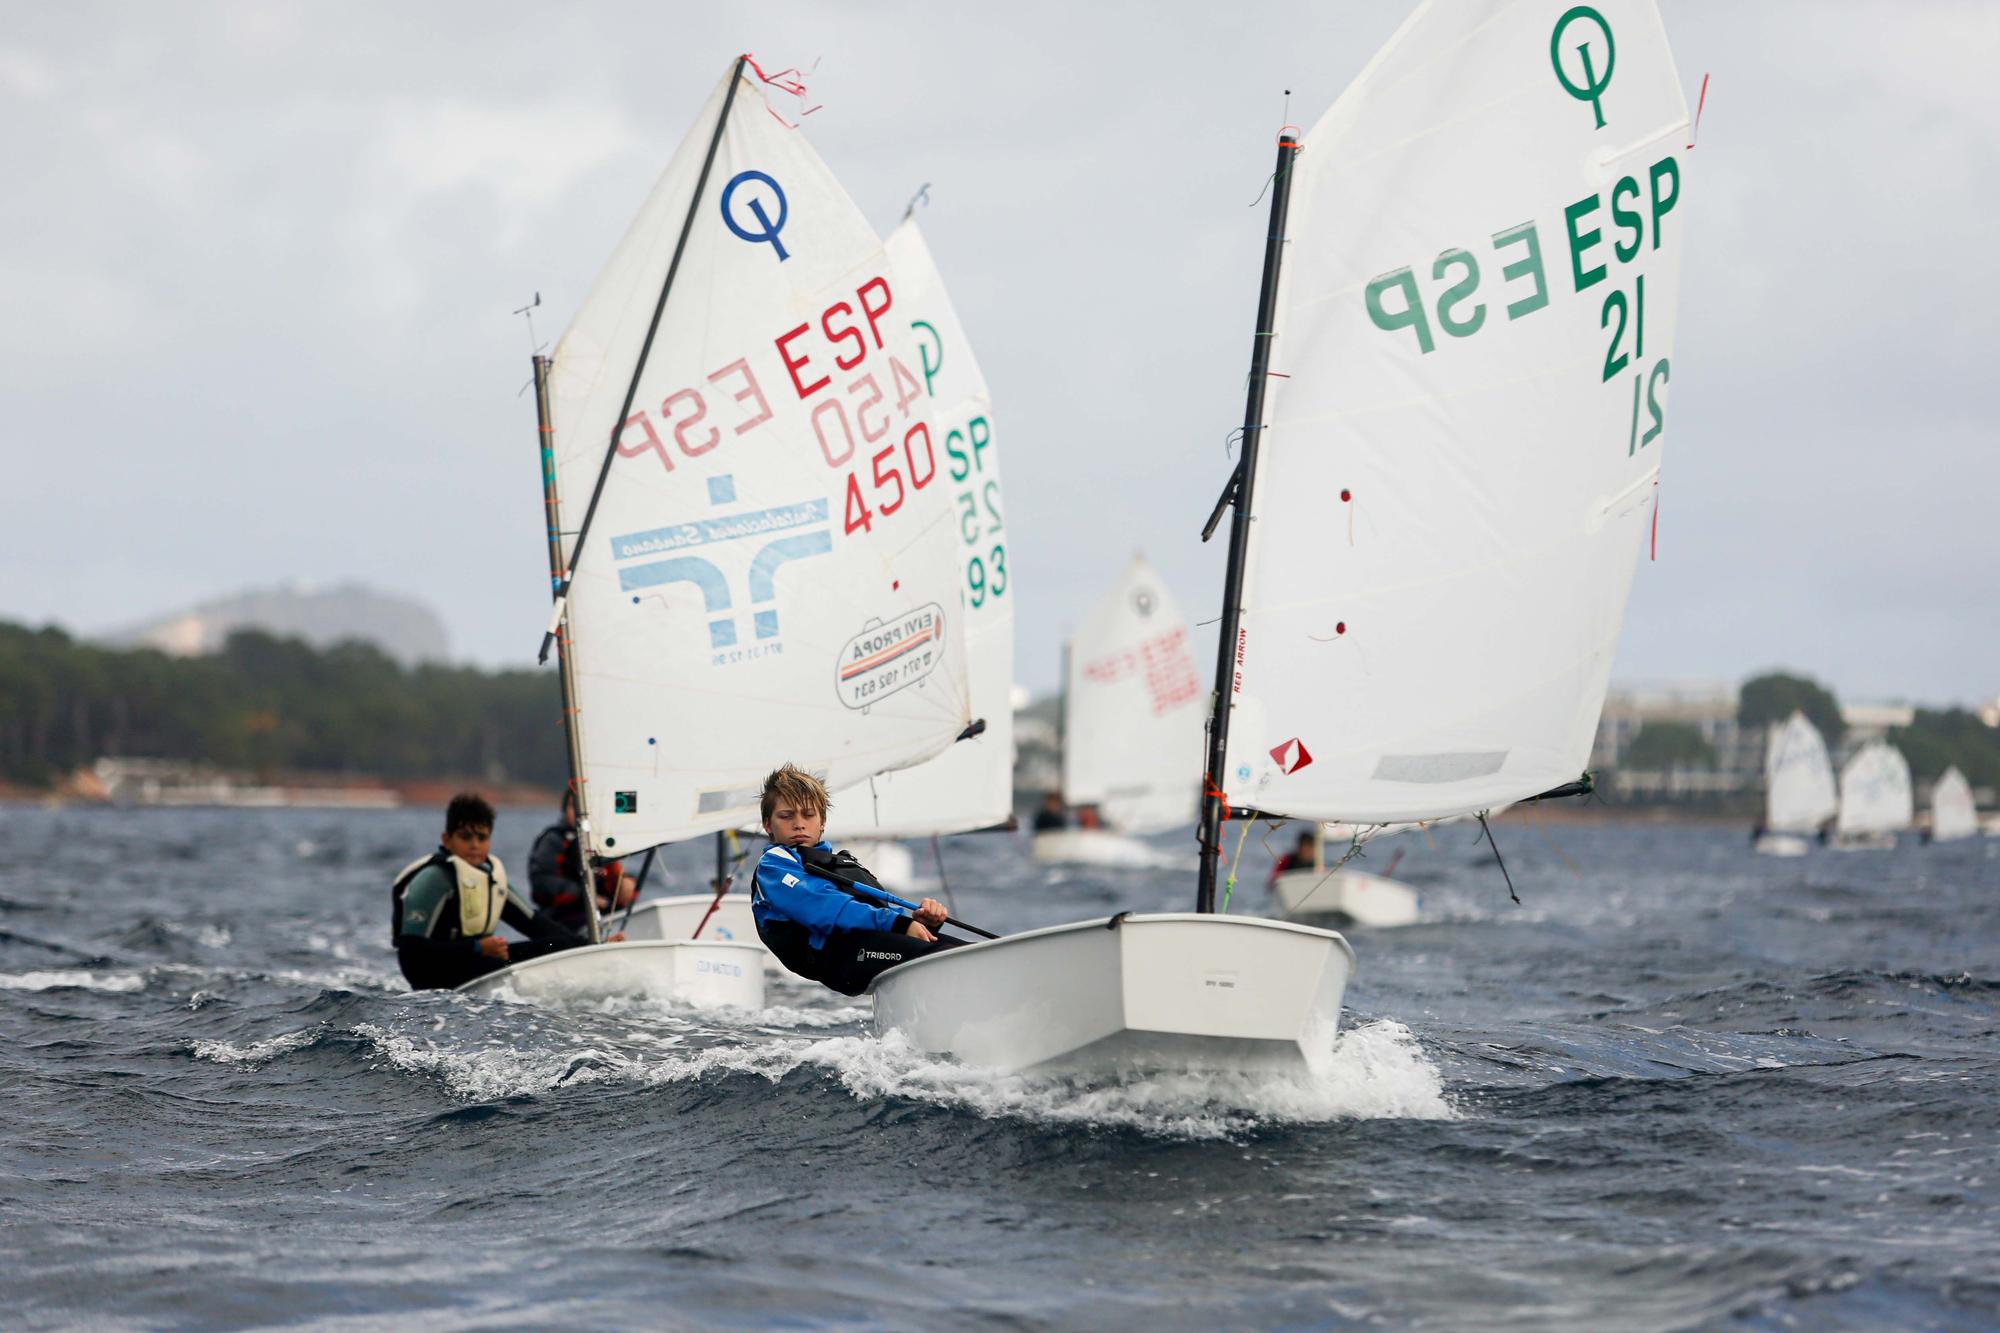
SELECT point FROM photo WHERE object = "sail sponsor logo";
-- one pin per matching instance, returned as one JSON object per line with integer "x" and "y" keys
{"x": 1584, "y": 31}
{"x": 751, "y": 547}
{"x": 1291, "y": 756}
{"x": 754, "y": 201}
{"x": 1162, "y": 662}
{"x": 887, "y": 656}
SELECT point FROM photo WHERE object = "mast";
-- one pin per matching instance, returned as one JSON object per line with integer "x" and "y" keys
{"x": 1214, "y": 803}
{"x": 558, "y": 580}
{"x": 1062, "y": 725}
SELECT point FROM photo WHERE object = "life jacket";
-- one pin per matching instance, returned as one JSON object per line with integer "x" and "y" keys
{"x": 482, "y": 897}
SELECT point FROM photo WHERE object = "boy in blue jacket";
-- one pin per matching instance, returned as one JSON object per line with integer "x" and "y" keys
{"x": 816, "y": 928}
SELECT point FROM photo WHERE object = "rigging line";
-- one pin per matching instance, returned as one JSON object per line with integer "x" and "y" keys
{"x": 923, "y": 196}
{"x": 1229, "y": 884}
{"x": 1501, "y": 859}
{"x": 645, "y": 350}
{"x": 944, "y": 885}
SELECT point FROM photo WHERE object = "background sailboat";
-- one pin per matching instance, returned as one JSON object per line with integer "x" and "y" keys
{"x": 1131, "y": 726}
{"x": 765, "y": 567}
{"x": 1953, "y": 815}
{"x": 1876, "y": 801}
{"x": 1799, "y": 795}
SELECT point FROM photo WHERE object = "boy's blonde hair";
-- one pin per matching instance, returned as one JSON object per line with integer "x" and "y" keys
{"x": 790, "y": 783}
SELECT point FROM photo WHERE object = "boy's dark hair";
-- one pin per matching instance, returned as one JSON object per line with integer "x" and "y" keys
{"x": 468, "y": 809}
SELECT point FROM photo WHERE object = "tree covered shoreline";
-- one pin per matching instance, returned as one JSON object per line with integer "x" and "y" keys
{"x": 266, "y": 705}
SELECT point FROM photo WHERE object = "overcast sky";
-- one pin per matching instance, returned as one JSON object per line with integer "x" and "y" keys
{"x": 259, "y": 263}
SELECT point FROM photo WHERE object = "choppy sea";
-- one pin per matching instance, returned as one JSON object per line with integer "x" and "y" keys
{"x": 1680, "y": 1086}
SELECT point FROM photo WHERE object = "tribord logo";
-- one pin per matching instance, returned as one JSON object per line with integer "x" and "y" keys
{"x": 745, "y": 549}
{"x": 887, "y": 656}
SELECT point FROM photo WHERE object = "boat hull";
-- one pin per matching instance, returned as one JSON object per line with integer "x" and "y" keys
{"x": 1168, "y": 992}
{"x": 1353, "y": 895}
{"x": 675, "y": 918}
{"x": 1782, "y": 844}
{"x": 698, "y": 972}
{"x": 1097, "y": 847}
{"x": 1864, "y": 842}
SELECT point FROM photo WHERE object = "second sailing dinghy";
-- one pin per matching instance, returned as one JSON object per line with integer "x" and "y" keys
{"x": 1876, "y": 800}
{"x": 1451, "y": 478}
{"x": 750, "y": 519}
{"x": 1131, "y": 727}
{"x": 1799, "y": 796}
{"x": 1953, "y": 815}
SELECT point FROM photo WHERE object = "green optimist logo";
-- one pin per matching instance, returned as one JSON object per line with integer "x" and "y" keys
{"x": 1576, "y": 25}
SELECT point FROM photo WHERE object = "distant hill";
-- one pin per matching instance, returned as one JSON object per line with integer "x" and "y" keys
{"x": 406, "y": 630}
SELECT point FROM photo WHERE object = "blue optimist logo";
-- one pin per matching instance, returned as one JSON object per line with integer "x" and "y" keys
{"x": 754, "y": 201}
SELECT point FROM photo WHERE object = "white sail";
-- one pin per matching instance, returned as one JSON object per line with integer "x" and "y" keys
{"x": 1875, "y": 794}
{"x": 771, "y": 573}
{"x": 1133, "y": 709}
{"x": 1469, "y": 385}
{"x": 1799, "y": 794}
{"x": 970, "y": 785}
{"x": 1952, "y": 813}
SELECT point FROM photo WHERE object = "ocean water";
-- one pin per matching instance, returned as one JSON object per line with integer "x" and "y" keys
{"x": 1680, "y": 1086}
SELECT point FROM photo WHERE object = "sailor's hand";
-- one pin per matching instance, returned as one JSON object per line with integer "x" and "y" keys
{"x": 616, "y": 939}
{"x": 931, "y": 913}
{"x": 915, "y": 930}
{"x": 493, "y": 947}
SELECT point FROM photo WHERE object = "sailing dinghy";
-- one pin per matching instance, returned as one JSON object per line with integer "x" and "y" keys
{"x": 1953, "y": 815}
{"x": 750, "y": 522}
{"x": 1343, "y": 893}
{"x": 969, "y": 786}
{"x": 1131, "y": 727}
{"x": 1876, "y": 801}
{"x": 1799, "y": 795}
{"x": 1451, "y": 439}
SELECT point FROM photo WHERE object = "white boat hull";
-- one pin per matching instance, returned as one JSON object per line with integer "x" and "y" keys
{"x": 1864, "y": 842}
{"x": 890, "y": 862}
{"x": 675, "y": 919}
{"x": 1097, "y": 847}
{"x": 698, "y": 972}
{"x": 1181, "y": 991}
{"x": 1362, "y": 898}
{"x": 1782, "y": 844}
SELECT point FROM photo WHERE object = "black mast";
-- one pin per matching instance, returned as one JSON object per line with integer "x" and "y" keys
{"x": 1213, "y": 801}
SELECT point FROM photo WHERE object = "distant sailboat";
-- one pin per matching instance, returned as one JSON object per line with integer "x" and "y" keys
{"x": 1953, "y": 815}
{"x": 763, "y": 565}
{"x": 1132, "y": 712}
{"x": 1345, "y": 893}
{"x": 1799, "y": 795}
{"x": 1451, "y": 441}
{"x": 1876, "y": 802}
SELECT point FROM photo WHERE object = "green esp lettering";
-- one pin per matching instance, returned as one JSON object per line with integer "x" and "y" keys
{"x": 1457, "y": 292}
{"x": 961, "y": 462}
{"x": 1666, "y": 169}
{"x": 1411, "y": 316}
{"x": 1581, "y": 241}
{"x": 1627, "y": 218}
{"x": 1530, "y": 265}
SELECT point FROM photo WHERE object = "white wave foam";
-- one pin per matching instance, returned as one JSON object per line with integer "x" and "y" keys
{"x": 254, "y": 1054}
{"x": 70, "y": 978}
{"x": 1378, "y": 1071}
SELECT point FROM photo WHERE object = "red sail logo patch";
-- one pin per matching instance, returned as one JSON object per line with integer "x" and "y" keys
{"x": 1291, "y": 755}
